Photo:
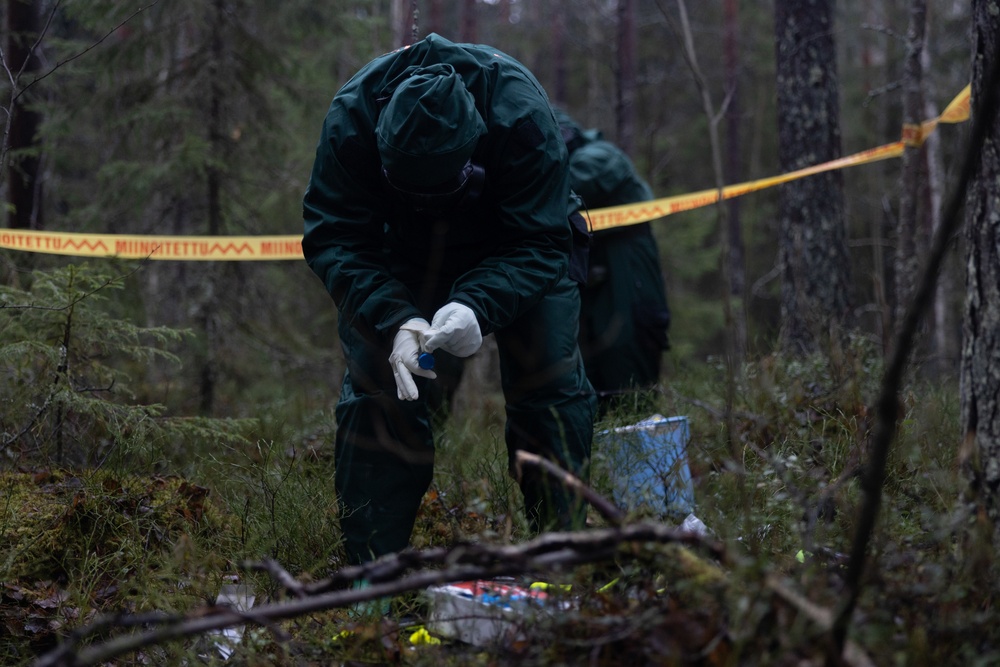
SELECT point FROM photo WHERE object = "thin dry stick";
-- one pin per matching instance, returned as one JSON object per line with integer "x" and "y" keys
{"x": 390, "y": 575}
{"x": 573, "y": 483}
{"x": 415, "y": 13}
{"x": 887, "y": 406}
{"x": 734, "y": 354}
{"x": 853, "y": 655}
{"x": 14, "y": 78}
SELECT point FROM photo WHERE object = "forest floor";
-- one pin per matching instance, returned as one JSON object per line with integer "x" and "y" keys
{"x": 98, "y": 556}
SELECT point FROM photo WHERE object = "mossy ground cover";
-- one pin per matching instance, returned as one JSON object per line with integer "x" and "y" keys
{"x": 74, "y": 544}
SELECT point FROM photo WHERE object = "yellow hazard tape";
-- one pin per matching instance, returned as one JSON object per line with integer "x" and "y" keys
{"x": 631, "y": 214}
{"x": 258, "y": 248}
{"x": 956, "y": 112}
{"x": 125, "y": 246}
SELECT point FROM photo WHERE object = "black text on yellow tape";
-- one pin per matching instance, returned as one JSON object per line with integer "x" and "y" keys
{"x": 126, "y": 246}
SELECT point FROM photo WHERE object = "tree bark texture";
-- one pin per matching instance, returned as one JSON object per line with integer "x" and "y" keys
{"x": 209, "y": 371}
{"x": 908, "y": 228}
{"x": 815, "y": 298}
{"x": 980, "y": 365}
{"x": 22, "y": 29}
{"x": 627, "y": 56}
{"x": 435, "y": 17}
{"x": 560, "y": 73}
{"x": 912, "y": 236}
{"x": 945, "y": 320}
{"x": 470, "y": 27}
{"x": 733, "y": 172}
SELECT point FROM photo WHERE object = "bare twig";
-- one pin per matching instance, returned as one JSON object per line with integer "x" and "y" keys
{"x": 853, "y": 655}
{"x": 735, "y": 319}
{"x": 82, "y": 53}
{"x": 882, "y": 90}
{"x": 885, "y": 30}
{"x": 387, "y": 576}
{"x": 14, "y": 78}
{"x": 79, "y": 297}
{"x": 573, "y": 483}
{"x": 282, "y": 576}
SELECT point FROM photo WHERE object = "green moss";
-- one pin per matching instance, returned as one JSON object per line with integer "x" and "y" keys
{"x": 87, "y": 530}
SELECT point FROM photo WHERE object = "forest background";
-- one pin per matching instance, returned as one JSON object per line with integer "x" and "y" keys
{"x": 200, "y": 118}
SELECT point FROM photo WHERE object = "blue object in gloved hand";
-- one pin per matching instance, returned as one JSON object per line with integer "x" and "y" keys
{"x": 426, "y": 361}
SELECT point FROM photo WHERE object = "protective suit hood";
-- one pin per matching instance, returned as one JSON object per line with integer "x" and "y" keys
{"x": 429, "y": 128}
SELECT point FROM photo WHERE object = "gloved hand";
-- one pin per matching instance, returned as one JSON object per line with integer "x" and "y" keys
{"x": 405, "y": 350}
{"x": 454, "y": 329}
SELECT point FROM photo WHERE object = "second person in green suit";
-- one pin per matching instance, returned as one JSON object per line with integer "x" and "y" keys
{"x": 625, "y": 317}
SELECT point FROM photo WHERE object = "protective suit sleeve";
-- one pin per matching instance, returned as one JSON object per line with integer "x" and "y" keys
{"x": 530, "y": 178}
{"x": 343, "y": 227}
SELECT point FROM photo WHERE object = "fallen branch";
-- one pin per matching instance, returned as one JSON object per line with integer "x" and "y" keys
{"x": 387, "y": 576}
{"x": 573, "y": 483}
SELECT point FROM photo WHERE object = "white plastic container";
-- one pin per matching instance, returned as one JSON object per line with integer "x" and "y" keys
{"x": 486, "y": 613}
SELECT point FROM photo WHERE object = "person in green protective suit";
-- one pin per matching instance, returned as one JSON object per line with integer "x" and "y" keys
{"x": 625, "y": 317}
{"x": 437, "y": 213}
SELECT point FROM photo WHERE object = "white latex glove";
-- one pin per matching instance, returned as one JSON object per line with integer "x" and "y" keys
{"x": 405, "y": 351}
{"x": 454, "y": 329}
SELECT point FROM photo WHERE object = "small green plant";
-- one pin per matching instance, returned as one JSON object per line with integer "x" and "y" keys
{"x": 67, "y": 365}
{"x": 285, "y": 501}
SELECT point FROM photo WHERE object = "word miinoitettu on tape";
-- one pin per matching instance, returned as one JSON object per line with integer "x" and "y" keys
{"x": 285, "y": 247}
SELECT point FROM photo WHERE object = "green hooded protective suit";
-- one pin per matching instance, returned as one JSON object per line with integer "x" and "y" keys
{"x": 625, "y": 317}
{"x": 440, "y": 176}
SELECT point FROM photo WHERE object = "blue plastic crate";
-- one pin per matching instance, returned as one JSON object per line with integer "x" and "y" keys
{"x": 647, "y": 465}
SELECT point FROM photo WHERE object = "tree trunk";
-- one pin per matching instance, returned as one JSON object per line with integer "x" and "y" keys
{"x": 470, "y": 28}
{"x": 504, "y": 15}
{"x": 880, "y": 222}
{"x": 812, "y": 246}
{"x": 22, "y": 150}
{"x": 980, "y": 381}
{"x": 596, "y": 92}
{"x": 625, "y": 115}
{"x": 209, "y": 370}
{"x": 945, "y": 342}
{"x": 435, "y": 17}
{"x": 737, "y": 251}
{"x": 412, "y": 22}
{"x": 402, "y": 19}
{"x": 559, "y": 74}
{"x": 911, "y": 244}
